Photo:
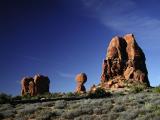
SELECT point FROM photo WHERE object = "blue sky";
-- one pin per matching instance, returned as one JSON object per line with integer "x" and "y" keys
{"x": 60, "y": 38}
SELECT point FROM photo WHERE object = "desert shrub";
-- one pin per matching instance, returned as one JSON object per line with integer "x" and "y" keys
{"x": 4, "y": 98}
{"x": 155, "y": 101}
{"x": 70, "y": 114}
{"x": 44, "y": 114}
{"x": 57, "y": 95}
{"x": 99, "y": 93}
{"x": 16, "y": 98}
{"x": 156, "y": 89}
{"x": 69, "y": 94}
{"x": 97, "y": 111}
{"x": 128, "y": 115}
{"x": 57, "y": 112}
{"x": 86, "y": 117}
{"x": 73, "y": 105}
{"x": 47, "y": 104}
{"x": 60, "y": 104}
{"x": 28, "y": 109}
{"x": 118, "y": 108}
{"x": 137, "y": 88}
{"x": 73, "y": 113}
{"x": 8, "y": 113}
{"x": 5, "y": 107}
{"x": 26, "y": 97}
{"x": 113, "y": 116}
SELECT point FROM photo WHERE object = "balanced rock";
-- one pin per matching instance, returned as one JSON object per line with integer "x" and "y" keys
{"x": 33, "y": 86}
{"x": 81, "y": 79}
{"x": 125, "y": 61}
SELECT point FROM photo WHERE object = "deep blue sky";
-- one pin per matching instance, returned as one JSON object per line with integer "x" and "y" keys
{"x": 60, "y": 38}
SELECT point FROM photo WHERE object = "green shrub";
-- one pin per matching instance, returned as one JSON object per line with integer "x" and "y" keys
{"x": 57, "y": 95}
{"x": 26, "y": 97}
{"x": 99, "y": 93}
{"x": 137, "y": 88}
{"x": 4, "y": 98}
{"x": 17, "y": 98}
{"x": 44, "y": 114}
{"x": 118, "y": 108}
{"x": 156, "y": 89}
{"x": 61, "y": 104}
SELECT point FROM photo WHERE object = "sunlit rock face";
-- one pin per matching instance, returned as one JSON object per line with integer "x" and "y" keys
{"x": 26, "y": 86}
{"x": 33, "y": 86}
{"x": 81, "y": 78}
{"x": 125, "y": 61}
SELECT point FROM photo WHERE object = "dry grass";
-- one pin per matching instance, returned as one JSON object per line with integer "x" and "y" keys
{"x": 134, "y": 106}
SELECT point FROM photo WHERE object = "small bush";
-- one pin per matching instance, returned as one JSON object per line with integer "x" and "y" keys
{"x": 99, "y": 93}
{"x": 70, "y": 94}
{"x": 118, "y": 108}
{"x": 8, "y": 113}
{"x": 72, "y": 114}
{"x": 26, "y": 97}
{"x": 60, "y": 104}
{"x": 137, "y": 88}
{"x": 17, "y": 98}
{"x": 156, "y": 89}
{"x": 44, "y": 114}
{"x": 28, "y": 109}
{"x": 4, "y": 98}
{"x": 57, "y": 95}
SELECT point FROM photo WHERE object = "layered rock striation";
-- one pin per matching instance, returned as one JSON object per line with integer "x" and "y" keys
{"x": 125, "y": 61}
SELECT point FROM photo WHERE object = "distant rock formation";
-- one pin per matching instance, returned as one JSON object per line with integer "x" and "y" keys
{"x": 33, "y": 86}
{"x": 41, "y": 84}
{"x": 125, "y": 61}
{"x": 26, "y": 86}
{"x": 81, "y": 79}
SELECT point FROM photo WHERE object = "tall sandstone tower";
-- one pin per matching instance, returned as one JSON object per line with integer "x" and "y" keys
{"x": 124, "y": 62}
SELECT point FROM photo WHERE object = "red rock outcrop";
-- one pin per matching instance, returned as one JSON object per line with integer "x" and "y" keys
{"x": 33, "y": 86}
{"x": 41, "y": 84}
{"x": 125, "y": 61}
{"x": 81, "y": 79}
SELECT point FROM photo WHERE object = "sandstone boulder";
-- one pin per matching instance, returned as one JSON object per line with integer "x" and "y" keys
{"x": 81, "y": 79}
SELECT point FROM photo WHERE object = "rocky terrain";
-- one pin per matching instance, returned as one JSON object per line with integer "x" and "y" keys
{"x": 144, "y": 105}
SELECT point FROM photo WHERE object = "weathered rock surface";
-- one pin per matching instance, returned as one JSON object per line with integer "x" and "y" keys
{"x": 41, "y": 84}
{"x": 125, "y": 61}
{"x": 33, "y": 86}
{"x": 26, "y": 87}
{"x": 81, "y": 79}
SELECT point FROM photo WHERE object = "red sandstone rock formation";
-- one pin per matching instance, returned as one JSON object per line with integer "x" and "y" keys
{"x": 81, "y": 79}
{"x": 41, "y": 84}
{"x": 33, "y": 86}
{"x": 125, "y": 60}
{"x": 26, "y": 87}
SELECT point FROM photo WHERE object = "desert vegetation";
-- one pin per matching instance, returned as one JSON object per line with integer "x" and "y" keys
{"x": 144, "y": 104}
